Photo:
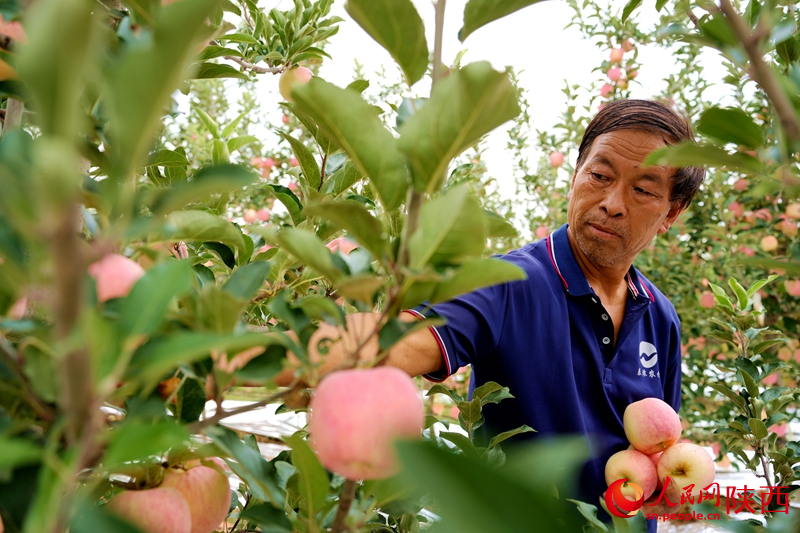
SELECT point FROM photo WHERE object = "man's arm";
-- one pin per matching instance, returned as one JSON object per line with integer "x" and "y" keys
{"x": 416, "y": 354}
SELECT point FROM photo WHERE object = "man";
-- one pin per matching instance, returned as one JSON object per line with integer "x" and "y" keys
{"x": 585, "y": 334}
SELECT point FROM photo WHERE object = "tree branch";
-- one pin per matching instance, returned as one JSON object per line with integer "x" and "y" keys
{"x": 255, "y": 68}
{"x": 345, "y": 502}
{"x": 221, "y": 414}
{"x": 9, "y": 357}
{"x": 762, "y": 74}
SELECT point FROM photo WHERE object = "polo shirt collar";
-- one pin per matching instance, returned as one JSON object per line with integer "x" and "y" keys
{"x": 573, "y": 278}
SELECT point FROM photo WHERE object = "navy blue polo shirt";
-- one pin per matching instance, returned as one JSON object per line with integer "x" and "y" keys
{"x": 549, "y": 340}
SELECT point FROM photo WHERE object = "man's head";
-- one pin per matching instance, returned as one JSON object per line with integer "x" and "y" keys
{"x": 617, "y": 205}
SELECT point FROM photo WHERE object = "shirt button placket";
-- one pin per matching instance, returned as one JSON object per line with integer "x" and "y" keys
{"x": 606, "y": 340}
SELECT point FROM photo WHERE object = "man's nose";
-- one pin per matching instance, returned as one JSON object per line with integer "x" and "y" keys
{"x": 613, "y": 203}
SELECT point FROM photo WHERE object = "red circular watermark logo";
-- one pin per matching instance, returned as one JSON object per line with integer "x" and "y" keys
{"x": 618, "y": 504}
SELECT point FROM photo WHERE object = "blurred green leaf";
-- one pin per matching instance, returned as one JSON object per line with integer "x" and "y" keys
{"x": 313, "y": 481}
{"x": 209, "y": 180}
{"x": 352, "y": 124}
{"x": 451, "y": 229}
{"x": 16, "y": 452}
{"x": 478, "y": 13}
{"x": 306, "y": 247}
{"x": 194, "y": 226}
{"x": 738, "y": 290}
{"x": 167, "y": 158}
{"x": 690, "y": 154}
{"x": 341, "y": 180}
{"x": 497, "y": 439}
{"x": 133, "y": 441}
{"x": 268, "y": 518}
{"x": 629, "y": 8}
{"x": 497, "y": 226}
{"x": 731, "y": 125}
{"x": 92, "y": 518}
{"x": 245, "y": 281}
{"x": 238, "y": 142}
{"x": 476, "y": 274}
{"x": 191, "y": 401}
{"x": 218, "y": 70}
{"x": 357, "y": 221}
{"x": 144, "y": 308}
{"x": 360, "y": 287}
{"x": 395, "y": 25}
{"x": 464, "y": 107}
{"x": 308, "y": 165}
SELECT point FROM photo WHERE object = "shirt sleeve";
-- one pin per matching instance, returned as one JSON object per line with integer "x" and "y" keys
{"x": 672, "y": 388}
{"x": 474, "y": 322}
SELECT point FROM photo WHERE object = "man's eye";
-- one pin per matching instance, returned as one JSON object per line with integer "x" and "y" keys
{"x": 597, "y": 176}
{"x": 642, "y": 191}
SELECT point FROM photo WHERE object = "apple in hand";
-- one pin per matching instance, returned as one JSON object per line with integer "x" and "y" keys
{"x": 685, "y": 464}
{"x": 115, "y": 276}
{"x": 206, "y": 490}
{"x": 651, "y": 425}
{"x": 634, "y": 466}
{"x": 356, "y": 415}
{"x": 158, "y": 510}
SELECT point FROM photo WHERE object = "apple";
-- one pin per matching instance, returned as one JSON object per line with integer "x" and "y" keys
{"x": 614, "y": 73}
{"x": 291, "y": 77}
{"x": 556, "y": 159}
{"x": 250, "y": 216}
{"x": 207, "y": 492}
{"x": 707, "y": 299}
{"x": 793, "y": 211}
{"x": 651, "y": 425}
{"x": 788, "y": 228}
{"x": 685, "y": 464}
{"x": 341, "y": 244}
{"x": 740, "y": 184}
{"x": 158, "y": 510}
{"x": 285, "y": 119}
{"x": 17, "y": 312}
{"x": 606, "y": 89}
{"x": 356, "y": 415}
{"x": 792, "y": 287}
{"x": 616, "y": 55}
{"x": 737, "y": 209}
{"x": 542, "y": 232}
{"x": 263, "y": 214}
{"x": 293, "y": 162}
{"x": 633, "y": 73}
{"x": 769, "y": 243}
{"x": 627, "y": 45}
{"x": 634, "y": 466}
{"x": 114, "y": 275}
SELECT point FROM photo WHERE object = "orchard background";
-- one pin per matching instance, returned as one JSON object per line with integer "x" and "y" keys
{"x": 133, "y": 128}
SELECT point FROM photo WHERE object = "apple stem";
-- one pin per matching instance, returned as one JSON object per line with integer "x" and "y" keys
{"x": 345, "y": 502}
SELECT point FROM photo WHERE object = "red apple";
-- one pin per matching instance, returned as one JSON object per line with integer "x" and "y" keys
{"x": 614, "y": 73}
{"x": 737, "y": 209}
{"x": 285, "y": 119}
{"x": 634, "y": 466}
{"x": 556, "y": 159}
{"x": 792, "y": 287}
{"x": 206, "y": 490}
{"x": 17, "y": 312}
{"x": 293, "y": 162}
{"x": 707, "y": 300}
{"x": 793, "y": 211}
{"x": 542, "y": 232}
{"x": 291, "y": 77}
{"x": 627, "y": 45}
{"x": 606, "y": 89}
{"x": 115, "y": 275}
{"x": 263, "y": 214}
{"x": 356, "y": 415}
{"x": 158, "y": 510}
{"x": 651, "y": 425}
{"x": 341, "y": 244}
{"x": 740, "y": 185}
{"x": 616, "y": 55}
{"x": 685, "y": 464}
{"x": 250, "y": 216}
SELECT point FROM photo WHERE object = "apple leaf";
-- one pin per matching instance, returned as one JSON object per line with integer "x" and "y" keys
{"x": 690, "y": 154}
{"x": 451, "y": 229}
{"x": 360, "y": 287}
{"x": 395, "y": 25}
{"x": 289, "y": 200}
{"x": 463, "y": 443}
{"x": 269, "y": 518}
{"x": 246, "y": 280}
{"x": 476, "y": 274}
{"x": 352, "y": 124}
{"x": 209, "y": 180}
{"x": 478, "y": 13}
{"x": 497, "y": 439}
{"x": 464, "y": 106}
{"x": 629, "y": 8}
{"x": 313, "y": 481}
{"x": 91, "y": 518}
{"x": 138, "y": 440}
{"x": 306, "y": 159}
{"x": 441, "y": 389}
{"x": 193, "y": 226}
{"x": 15, "y": 452}
{"x": 731, "y": 125}
{"x": 144, "y": 308}
{"x": 306, "y": 247}
{"x": 357, "y": 221}
{"x": 167, "y": 158}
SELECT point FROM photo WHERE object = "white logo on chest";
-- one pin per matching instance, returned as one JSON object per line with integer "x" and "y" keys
{"x": 648, "y": 355}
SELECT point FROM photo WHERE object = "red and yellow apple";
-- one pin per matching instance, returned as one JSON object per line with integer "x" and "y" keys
{"x": 356, "y": 415}
{"x": 115, "y": 276}
{"x": 158, "y": 510}
{"x": 651, "y": 425}
{"x": 685, "y": 464}
{"x": 291, "y": 77}
{"x": 634, "y": 466}
{"x": 207, "y": 492}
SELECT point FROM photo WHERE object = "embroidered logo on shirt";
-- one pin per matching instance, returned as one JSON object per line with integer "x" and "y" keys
{"x": 648, "y": 357}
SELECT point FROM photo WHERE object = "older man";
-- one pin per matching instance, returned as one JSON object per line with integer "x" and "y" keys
{"x": 586, "y": 333}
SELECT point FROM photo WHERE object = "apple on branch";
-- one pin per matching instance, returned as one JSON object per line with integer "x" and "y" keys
{"x": 291, "y": 77}
{"x": 206, "y": 490}
{"x": 157, "y": 510}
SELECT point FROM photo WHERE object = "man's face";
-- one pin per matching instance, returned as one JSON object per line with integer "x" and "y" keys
{"x": 616, "y": 207}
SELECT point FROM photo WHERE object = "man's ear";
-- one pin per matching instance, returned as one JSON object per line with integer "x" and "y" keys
{"x": 675, "y": 211}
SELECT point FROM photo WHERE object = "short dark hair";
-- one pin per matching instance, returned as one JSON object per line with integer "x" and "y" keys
{"x": 653, "y": 117}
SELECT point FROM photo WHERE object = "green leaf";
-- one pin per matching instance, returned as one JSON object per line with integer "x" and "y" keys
{"x": 54, "y": 64}
{"x": 209, "y": 180}
{"x": 194, "y": 226}
{"x": 224, "y": 252}
{"x": 497, "y": 226}
{"x": 755, "y": 287}
{"x": 245, "y": 281}
{"x": 464, "y": 107}
{"x": 469, "y": 414}
{"x": 731, "y": 125}
{"x": 738, "y": 290}
{"x": 395, "y": 25}
{"x": 16, "y": 452}
{"x": 168, "y": 158}
{"x": 133, "y": 441}
{"x": 292, "y": 203}
{"x": 476, "y": 274}
{"x": 357, "y": 221}
{"x": 690, "y": 154}
{"x": 191, "y": 401}
{"x": 306, "y": 247}
{"x": 438, "y": 388}
{"x": 478, "y": 13}
{"x": 451, "y": 229}
{"x": 758, "y": 428}
{"x": 307, "y": 162}
{"x": 313, "y": 481}
{"x": 264, "y": 367}
{"x": 497, "y": 439}
{"x": 629, "y": 8}
{"x": 462, "y": 442}
{"x": 589, "y": 512}
{"x": 219, "y": 152}
{"x": 238, "y": 142}
{"x": 218, "y": 70}
{"x": 351, "y": 123}
{"x": 735, "y": 398}
{"x": 144, "y": 308}
{"x": 749, "y": 383}
{"x": 162, "y": 354}
{"x": 360, "y": 287}
{"x": 141, "y": 79}
{"x": 268, "y": 518}
{"x": 92, "y": 518}
{"x": 341, "y": 180}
